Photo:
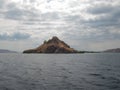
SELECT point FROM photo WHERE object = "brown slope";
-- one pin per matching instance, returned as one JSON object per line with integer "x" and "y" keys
{"x": 54, "y": 45}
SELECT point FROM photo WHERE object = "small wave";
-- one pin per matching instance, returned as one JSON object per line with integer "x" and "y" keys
{"x": 114, "y": 80}
{"x": 98, "y": 75}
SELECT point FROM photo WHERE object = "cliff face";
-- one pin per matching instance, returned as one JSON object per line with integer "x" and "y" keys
{"x": 54, "y": 45}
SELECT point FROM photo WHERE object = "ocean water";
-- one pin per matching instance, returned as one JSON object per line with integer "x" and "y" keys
{"x": 97, "y": 71}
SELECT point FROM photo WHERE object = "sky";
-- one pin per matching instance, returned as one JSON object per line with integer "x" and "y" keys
{"x": 83, "y": 24}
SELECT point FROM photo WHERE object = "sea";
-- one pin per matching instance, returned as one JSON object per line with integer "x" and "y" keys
{"x": 89, "y": 71}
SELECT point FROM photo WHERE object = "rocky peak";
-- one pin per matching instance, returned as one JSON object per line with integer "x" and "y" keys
{"x": 54, "y": 45}
{"x": 54, "y": 40}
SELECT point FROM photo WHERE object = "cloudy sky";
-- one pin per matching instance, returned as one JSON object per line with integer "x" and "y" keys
{"x": 83, "y": 24}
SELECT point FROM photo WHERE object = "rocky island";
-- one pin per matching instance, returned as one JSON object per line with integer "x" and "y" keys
{"x": 54, "y": 45}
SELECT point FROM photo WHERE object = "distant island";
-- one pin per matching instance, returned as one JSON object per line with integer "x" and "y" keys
{"x": 116, "y": 50}
{"x": 54, "y": 45}
{"x": 6, "y": 51}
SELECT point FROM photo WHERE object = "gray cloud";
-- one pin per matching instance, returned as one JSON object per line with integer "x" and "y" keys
{"x": 12, "y": 11}
{"x": 1, "y": 3}
{"x": 14, "y": 36}
{"x": 107, "y": 16}
{"x": 101, "y": 9}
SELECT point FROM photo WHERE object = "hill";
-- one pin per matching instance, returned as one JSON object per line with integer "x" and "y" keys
{"x": 54, "y": 45}
{"x": 6, "y": 51}
{"x": 116, "y": 50}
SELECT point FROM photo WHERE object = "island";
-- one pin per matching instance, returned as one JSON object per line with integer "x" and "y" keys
{"x": 115, "y": 50}
{"x": 7, "y": 51}
{"x": 54, "y": 45}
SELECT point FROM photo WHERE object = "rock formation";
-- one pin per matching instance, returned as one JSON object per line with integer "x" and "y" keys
{"x": 54, "y": 45}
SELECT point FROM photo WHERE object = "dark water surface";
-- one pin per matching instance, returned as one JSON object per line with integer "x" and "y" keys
{"x": 60, "y": 71}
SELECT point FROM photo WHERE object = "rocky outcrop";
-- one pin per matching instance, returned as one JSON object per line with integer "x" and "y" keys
{"x": 54, "y": 45}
